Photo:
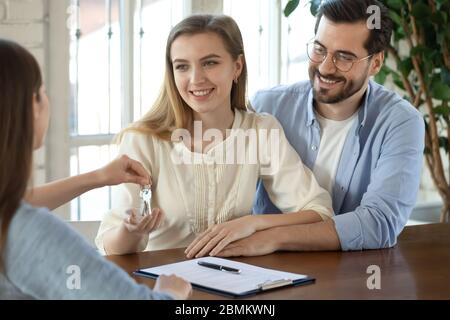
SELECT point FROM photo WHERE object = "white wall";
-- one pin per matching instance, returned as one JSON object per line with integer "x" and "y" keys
{"x": 26, "y": 22}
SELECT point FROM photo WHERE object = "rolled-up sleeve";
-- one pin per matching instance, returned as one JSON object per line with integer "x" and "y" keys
{"x": 391, "y": 193}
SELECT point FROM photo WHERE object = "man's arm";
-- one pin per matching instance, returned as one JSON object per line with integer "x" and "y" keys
{"x": 320, "y": 236}
{"x": 381, "y": 216}
{"x": 391, "y": 194}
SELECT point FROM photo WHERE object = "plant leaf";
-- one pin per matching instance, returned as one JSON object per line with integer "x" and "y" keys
{"x": 315, "y": 4}
{"x": 440, "y": 91}
{"x": 442, "y": 110}
{"x": 395, "y": 17}
{"x": 443, "y": 143}
{"x": 421, "y": 11}
{"x": 405, "y": 67}
{"x": 395, "y": 4}
{"x": 445, "y": 75}
{"x": 381, "y": 76}
{"x": 290, "y": 7}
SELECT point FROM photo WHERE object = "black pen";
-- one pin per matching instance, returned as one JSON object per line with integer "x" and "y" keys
{"x": 218, "y": 267}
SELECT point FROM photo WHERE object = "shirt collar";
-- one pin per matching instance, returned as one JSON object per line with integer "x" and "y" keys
{"x": 362, "y": 116}
{"x": 311, "y": 116}
{"x": 362, "y": 112}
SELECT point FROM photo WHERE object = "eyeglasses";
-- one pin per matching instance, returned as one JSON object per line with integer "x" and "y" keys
{"x": 342, "y": 61}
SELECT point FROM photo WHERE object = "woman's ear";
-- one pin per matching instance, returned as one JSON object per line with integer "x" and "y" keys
{"x": 37, "y": 109}
{"x": 239, "y": 63}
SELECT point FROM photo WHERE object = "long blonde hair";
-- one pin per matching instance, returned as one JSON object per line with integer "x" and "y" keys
{"x": 170, "y": 112}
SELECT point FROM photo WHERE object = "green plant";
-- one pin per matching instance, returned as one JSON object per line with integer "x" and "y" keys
{"x": 419, "y": 49}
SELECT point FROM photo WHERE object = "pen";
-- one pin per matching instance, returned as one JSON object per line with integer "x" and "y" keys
{"x": 218, "y": 267}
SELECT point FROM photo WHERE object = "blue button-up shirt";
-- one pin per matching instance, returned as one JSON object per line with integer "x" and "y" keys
{"x": 378, "y": 176}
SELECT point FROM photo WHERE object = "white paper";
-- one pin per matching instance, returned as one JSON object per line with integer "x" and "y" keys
{"x": 250, "y": 277}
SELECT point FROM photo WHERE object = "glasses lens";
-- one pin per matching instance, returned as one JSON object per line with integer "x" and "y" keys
{"x": 343, "y": 66}
{"x": 316, "y": 53}
{"x": 343, "y": 62}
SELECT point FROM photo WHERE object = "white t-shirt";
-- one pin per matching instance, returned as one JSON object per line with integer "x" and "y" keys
{"x": 333, "y": 135}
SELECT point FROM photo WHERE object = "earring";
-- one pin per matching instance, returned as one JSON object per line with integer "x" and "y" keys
{"x": 236, "y": 80}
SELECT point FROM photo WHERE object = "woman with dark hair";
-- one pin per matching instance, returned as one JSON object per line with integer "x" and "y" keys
{"x": 33, "y": 238}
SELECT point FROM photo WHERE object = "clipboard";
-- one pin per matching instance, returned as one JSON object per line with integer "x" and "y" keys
{"x": 221, "y": 283}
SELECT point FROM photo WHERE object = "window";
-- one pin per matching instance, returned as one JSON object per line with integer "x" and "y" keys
{"x": 296, "y": 31}
{"x": 275, "y": 46}
{"x": 106, "y": 95}
{"x": 255, "y": 29}
{"x": 154, "y": 19}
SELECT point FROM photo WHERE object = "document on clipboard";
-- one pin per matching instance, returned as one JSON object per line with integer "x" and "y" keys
{"x": 227, "y": 277}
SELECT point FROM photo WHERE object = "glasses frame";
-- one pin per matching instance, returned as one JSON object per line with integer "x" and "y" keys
{"x": 333, "y": 57}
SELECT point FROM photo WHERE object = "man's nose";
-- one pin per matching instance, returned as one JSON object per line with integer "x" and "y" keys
{"x": 327, "y": 66}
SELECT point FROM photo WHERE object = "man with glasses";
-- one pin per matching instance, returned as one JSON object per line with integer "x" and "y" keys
{"x": 363, "y": 142}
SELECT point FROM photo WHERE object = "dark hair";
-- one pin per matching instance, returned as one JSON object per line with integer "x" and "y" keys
{"x": 20, "y": 80}
{"x": 356, "y": 11}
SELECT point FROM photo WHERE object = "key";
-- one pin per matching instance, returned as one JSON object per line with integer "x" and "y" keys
{"x": 146, "y": 196}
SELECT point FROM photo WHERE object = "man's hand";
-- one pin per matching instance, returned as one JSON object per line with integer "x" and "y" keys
{"x": 258, "y": 244}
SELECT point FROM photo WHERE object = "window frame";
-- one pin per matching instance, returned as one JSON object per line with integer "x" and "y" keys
{"x": 60, "y": 142}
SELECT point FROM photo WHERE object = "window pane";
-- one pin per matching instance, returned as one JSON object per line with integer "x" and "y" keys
{"x": 297, "y": 30}
{"x": 93, "y": 204}
{"x": 95, "y": 69}
{"x": 154, "y": 21}
{"x": 256, "y": 33}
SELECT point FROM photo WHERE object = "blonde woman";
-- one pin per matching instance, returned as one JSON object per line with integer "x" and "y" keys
{"x": 203, "y": 173}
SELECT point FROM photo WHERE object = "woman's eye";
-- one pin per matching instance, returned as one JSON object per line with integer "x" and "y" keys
{"x": 181, "y": 67}
{"x": 210, "y": 63}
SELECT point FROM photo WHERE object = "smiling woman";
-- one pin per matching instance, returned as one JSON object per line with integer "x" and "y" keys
{"x": 204, "y": 75}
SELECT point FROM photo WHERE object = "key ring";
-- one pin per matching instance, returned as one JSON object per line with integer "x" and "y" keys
{"x": 146, "y": 196}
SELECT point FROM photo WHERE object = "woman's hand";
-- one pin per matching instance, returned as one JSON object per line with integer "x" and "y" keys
{"x": 143, "y": 225}
{"x": 123, "y": 170}
{"x": 177, "y": 287}
{"x": 217, "y": 237}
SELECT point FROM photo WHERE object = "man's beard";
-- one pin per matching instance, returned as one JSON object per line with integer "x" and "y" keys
{"x": 350, "y": 87}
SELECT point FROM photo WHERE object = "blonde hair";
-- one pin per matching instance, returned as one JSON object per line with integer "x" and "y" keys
{"x": 169, "y": 111}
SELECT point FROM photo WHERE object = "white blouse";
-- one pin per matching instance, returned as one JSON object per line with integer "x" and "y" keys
{"x": 197, "y": 190}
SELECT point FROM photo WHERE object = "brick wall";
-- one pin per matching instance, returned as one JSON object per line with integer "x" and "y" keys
{"x": 25, "y": 21}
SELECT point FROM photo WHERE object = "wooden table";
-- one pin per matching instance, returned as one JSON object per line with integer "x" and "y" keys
{"x": 418, "y": 267}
